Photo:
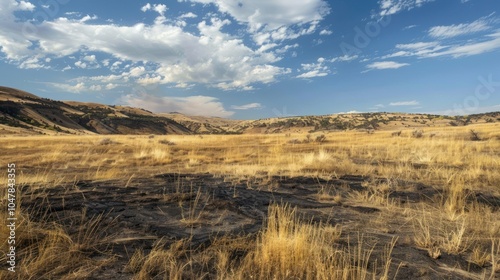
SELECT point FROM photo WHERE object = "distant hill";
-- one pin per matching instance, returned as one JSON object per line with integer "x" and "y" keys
{"x": 22, "y": 112}
{"x": 25, "y": 113}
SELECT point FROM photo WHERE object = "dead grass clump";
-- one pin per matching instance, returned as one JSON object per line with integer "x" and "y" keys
{"x": 435, "y": 233}
{"x": 294, "y": 141}
{"x": 396, "y": 133}
{"x": 291, "y": 249}
{"x": 106, "y": 141}
{"x": 160, "y": 263}
{"x": 417, "y": 133}
{"x": 166, "y": 142}
{"x": 474, "y": 135}
{"x": 320, "y": 139}
{"x": 480, "y": 257}
{"x": 49, "y": 251}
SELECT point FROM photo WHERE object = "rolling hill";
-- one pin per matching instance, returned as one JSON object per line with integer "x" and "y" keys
{"x": 25, "y": 113}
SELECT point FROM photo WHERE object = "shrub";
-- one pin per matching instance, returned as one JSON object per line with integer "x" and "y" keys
{"x": 474, "y": 136}
{"x": 166, "y": 142}
{"x": 396, "y": 133}
{"x": 417, "y": 134}
{"x": 106, "y": 141}
{"x": 321, "y": 138}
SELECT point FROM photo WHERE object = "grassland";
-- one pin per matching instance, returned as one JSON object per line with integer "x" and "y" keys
{"x": 347, "y": 205}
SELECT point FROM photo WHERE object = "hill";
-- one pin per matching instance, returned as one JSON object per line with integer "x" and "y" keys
{"x": 22, "y": 112}
{"x": 25, "y": 113}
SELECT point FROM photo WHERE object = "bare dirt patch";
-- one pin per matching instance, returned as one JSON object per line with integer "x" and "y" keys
{"x": 204, "y": 209}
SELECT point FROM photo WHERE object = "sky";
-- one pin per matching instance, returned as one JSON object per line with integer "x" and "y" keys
{"x": 253, "y": 59}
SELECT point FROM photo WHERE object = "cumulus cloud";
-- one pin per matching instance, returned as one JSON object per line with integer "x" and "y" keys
{"x": 88, "y": 18}
{"x": 320, "y": 67}
{"x": 211, "y": 57}
{"x": 81, "y": 64}
{"x": 188, "y": 15}
{"x": 25, "y": 6}
{"x": 174, "y": 55}
{"x": 146, "y": 7}
{"x": 76, "y": 88}
{"x": 276, "y": 20}
{"x": 159, "y": 8}
{"x": 191, "y": 105}
{"x": 271, "y": 15}
{"x": 312, "y": 70}
{"x": 33, "y": 63}
{"x": 325, "y": 32}
{"x": 90, "y": 58}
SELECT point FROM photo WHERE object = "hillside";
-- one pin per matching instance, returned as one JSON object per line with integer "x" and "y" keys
{"x": 361, "y": 121}
{"x": 24, "y": 113}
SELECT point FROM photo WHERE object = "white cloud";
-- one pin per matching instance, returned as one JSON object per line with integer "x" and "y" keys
{"x": 271, "y": 15}
{"x": 146, "y": 7}
{"x": 188, "y": 15}
{"x": 284, "y": 33}
{"x": 247, "y": 106}
{"x": 344, "y": 58}
{"x": 349, "y": 112}
{"x": 405, "y": 103}
{"x": 312, "y": 74}
{"x": 318, "y": 69}
{"x": 191, "y": 105}
{"x": 417, "y": 46}
{"x": 488, "y": 43}
{"x": 173, "y": 55}
{"x": 137, "y": 71}
{"x": 32, "y": 63}
{"x": 391, "y": 7}
{"x": 81, "y": 64}
{"x": 25, "y": 6}
{"x": 90, "y": 58}
{"x": 385, "y": 65}
{"x": 409, "y": 27}
{"x": 159, "y": 8}
{"x": 116, "y": 65}
{"x": 325, "y": 32}
{"x": 111, "y": 86}
{"x": 459, "y": 29}
{"x": 77, "y": 88}
{"x": 88, "y": 18}
{"x": 149, "y": 80}
{"x": 285, "y": 48}
{"x": 473, "y": 48}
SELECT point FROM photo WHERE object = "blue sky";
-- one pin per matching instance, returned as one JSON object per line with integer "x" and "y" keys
{"x": 257, "y": 59}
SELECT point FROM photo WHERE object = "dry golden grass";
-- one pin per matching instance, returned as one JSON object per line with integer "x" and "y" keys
{"x": 287, "y": 248}
{"x": 444, "y": 158}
